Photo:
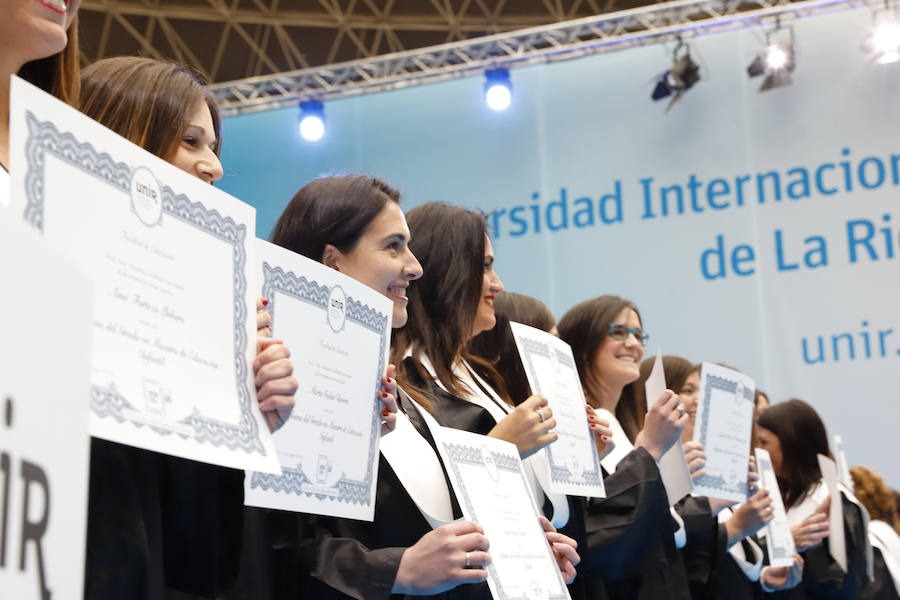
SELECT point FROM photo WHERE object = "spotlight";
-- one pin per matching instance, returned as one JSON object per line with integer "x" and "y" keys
{"x": 883, "y": 41}
{"x": 312, "y": 120}
{"x": 497, "y": 89}
{"x": 776, "y": 62}
{"x": 680, "y": 78}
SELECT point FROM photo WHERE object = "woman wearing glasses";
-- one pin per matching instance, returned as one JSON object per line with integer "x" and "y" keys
{"x": 631, "y": 546}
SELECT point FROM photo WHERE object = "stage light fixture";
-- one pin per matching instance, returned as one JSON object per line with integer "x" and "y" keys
{"x": 776, "y": 62}
{"x": 312, "y": 120}
{"x": 497, "y": 89}
{"x": 680, "y": 78}
{"x": 883, "y": 41}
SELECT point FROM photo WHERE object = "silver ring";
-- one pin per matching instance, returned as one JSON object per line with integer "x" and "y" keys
{"x": 681, "y": 409}
{"x": 468, "y": 559}
{"x": 540, "y": 413}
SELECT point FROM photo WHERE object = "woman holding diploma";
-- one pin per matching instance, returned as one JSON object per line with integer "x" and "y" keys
{"x": 433, "y": 363}
{"x": 39, "y": 43}
{"x": 354, "y": 224}
{"x": 630, "y": 534}
{"x": 794, "y": 436}
{"x": 721, "y": 558}
{"x": 159, "y": 524}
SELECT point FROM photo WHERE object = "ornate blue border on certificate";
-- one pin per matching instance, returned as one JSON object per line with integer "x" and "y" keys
{"x": 293, "y": 480}
{"x": 106, "y": 402}
{"x": 560, "y": 472}
{"x": 468, "y": 455}
{"x": 714, "y": 382}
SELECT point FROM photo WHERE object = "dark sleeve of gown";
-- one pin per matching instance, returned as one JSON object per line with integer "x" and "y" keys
{"x": 630, "y": 531}
{"x": 124, "y": 557}
{"x": 883, "y": 588}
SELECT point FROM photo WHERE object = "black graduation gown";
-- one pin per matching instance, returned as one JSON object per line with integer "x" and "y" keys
{"x": 882, "y": 588}
{"x": 822, "y": 577}
{"x": 291, "y": 555}
{"x": 160, "y": 526}
{"x": 627, "y": 546}
{"x": 730, "y": 583}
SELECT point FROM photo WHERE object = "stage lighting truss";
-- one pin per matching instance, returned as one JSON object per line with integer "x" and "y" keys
{"x": 312, "y": 120}
{"x": 680, "y": 78}
{"x": 560, "y": 41}
{"x": 777, "y": 60}
{"x": 883, "y": 40}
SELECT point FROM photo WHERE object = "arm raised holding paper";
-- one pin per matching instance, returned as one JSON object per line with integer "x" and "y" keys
{"x": 662, "y": 426}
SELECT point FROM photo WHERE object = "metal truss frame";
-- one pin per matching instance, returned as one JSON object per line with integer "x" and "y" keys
{"x": 550, "y": 43}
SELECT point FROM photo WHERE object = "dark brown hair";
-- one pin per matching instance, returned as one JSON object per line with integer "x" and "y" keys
{"x": 585, "y": 328}
{"x": 802, "y": 436}
{"x": 58, "y": 74}
{"x": 498, "y": 347}
{"x": 449, "y": 242}
{"x": 870, "y": 489}
{"x": 146, "y": 101}
{"x": 677, "y": 371}
{"x": 334, "y": 210}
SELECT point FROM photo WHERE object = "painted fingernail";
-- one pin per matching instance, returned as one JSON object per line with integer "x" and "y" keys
{"x": 384, "y": 394}
{"x": 265, "y": 302}
{"x": 605, "y": 438}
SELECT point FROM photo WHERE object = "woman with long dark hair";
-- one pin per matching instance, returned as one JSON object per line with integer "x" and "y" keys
{"x": 435, "y": 367}
{"x": 354, "y": 224}
{"x": 160, "y": 525}
{"x": 794, "y": 436}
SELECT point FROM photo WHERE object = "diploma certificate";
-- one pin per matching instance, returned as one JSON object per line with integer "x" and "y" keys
{"x": 490, "y": 485}
{"x": 724, "y": 425}
{"x": 174, "y": 327}
{"x": 779, "y": 540}
{"x": 338, "y": 330}
{"x": 550, "y": 367}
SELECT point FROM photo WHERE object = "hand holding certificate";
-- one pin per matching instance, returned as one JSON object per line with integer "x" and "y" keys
{"x": 779, "y": 541}
{"x": 724, "y": 426}
{"x": 173, "y": 314}
{"x": 574, "y": 464}
{"x": 673, "y": 465}
{"x": 490, "y": 485}
{"x": 338, "y": 330}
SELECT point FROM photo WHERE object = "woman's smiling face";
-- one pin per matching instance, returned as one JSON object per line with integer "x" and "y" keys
{"x": 617, "y": 363}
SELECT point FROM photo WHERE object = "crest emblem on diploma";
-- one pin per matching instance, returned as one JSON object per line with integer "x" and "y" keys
{"x": 146, "y": 197}
{"x": 337, "y": 309}
{"x": 490, "y": 464}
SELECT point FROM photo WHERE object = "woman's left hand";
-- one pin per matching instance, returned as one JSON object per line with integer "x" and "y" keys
{"x": 783, "y": 578}
{"x": 563, "y": 550}
{"x": 695, "y": 455}
{"x": 388, "y": 397}
{"x": 602, "y": 432}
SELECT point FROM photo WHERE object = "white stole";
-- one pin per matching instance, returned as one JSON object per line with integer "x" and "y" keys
{"x": 418, "y": 468}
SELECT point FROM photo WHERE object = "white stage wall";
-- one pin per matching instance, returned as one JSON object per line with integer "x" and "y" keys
{"x": 712, "y": 280}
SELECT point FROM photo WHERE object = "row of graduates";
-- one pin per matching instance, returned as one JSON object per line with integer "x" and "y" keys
{"x": 164, "y": 527}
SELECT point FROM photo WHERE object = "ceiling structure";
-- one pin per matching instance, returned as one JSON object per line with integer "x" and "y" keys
{"x": 236, "y": 39}
{"x": 264, "y": 54}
